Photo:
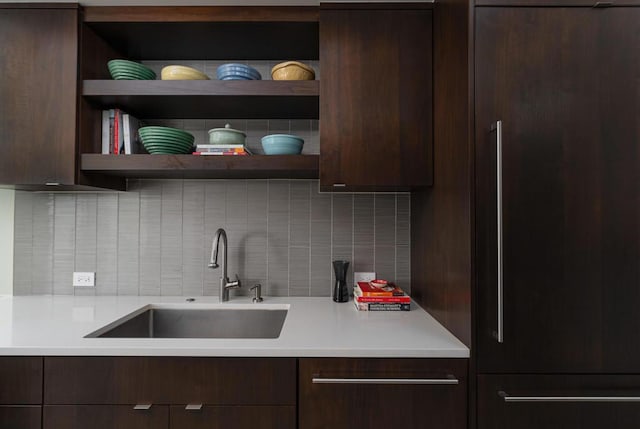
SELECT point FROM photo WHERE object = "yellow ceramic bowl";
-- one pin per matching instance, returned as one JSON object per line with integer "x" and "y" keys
{"x": 182, "y": 73}
{"x": 292, "y": 70}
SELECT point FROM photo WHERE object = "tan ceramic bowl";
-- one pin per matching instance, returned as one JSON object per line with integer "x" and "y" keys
{"x": 182, "y": 73}
{"x": 292, "y": 70}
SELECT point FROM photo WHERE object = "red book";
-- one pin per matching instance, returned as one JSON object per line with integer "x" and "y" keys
{"x": 388, "y": 290}
{"x": 383, "y": 299}
{"x": 116, "y": 132}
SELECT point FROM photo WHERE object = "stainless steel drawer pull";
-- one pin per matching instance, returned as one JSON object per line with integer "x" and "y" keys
{"x": 142, "y": 406}
{"x": 193, "y": 407}
{"x": 508, "y": 398}
{"x": 435, "y": 381}
{"x": 497, "y": 127}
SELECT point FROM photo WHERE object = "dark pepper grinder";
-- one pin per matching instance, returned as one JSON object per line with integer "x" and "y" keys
{"x": 340, "y": 291}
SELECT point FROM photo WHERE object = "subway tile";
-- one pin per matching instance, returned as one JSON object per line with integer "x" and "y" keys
{"x": 156, "y": 239}
{"x": 193, "y": 238}
{"x": 86, "y": 235}
{"x": 320, "y": 204}
{"x": 320, "y": 269}
{"x": 43, "y": 236}
{"x": 342, "y": 220}
{"x": 363, "y": 220}
{"x": 255, "y": 267}
{"x": 150, "y": 237}
{"x": 385, "y": 217}
{"x": 279, "y": 126}
{"x": 128, "y": 243}
{"x": 215, "y": 214}
{"x": 23, "y": 243}
{"x": 385, "y": 262}
{"x": 403, "y": 220}
{"x": 299, "y": 268}
{"x": 278, "y": 213}
{"x": 313, "y": 144}
{"x": 236, "y": 206}
{"x": 300, "y": 218}
{"x": 364, "y": 259}
{"x": 64, "y": 243}
{"x": 403, "y": 267}
{"x": 171, "y": 234}
{"x": 278, "y": 271}
{"x": 107, "y": 249}
{"x": 256, "y": 129}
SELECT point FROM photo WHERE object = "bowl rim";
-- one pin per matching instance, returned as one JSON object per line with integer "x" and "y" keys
{"x": 293, "y": 63}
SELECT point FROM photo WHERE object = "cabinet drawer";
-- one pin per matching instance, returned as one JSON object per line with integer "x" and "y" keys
{"x": 254, "y": 417}
{"x": 21, "y": 417}
{"x": 133, "y": 380}
{"x": 383, "y": 393}
{"x": 558, "y": 401}
{"x": 104, "y": 417}
{"x": 20, "y": 380}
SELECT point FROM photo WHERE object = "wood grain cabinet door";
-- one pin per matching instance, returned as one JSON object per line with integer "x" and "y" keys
{"x": 105, "y": 417}
{"x": 375, "y": 99}
{"x": 382, "y": 393}
{"x": 565, "y": 85}
{"x": 20, "y": 417}
{"x": 20, "y": 380}
{"x": 558, "y": 401}
{"x": 38, "y": 66}
{"x": 236, "y": 417}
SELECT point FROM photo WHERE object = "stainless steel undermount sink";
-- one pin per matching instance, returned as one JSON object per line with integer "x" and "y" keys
{"x": 198, "y": 321}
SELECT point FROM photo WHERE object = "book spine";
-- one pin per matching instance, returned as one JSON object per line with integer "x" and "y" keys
{"x": 126, "y": 131}
{"x": 221, "y": 153}
{"x": 105, "y": 132}
{"x": 376, "y": 294}
{"x": 112, "y": 124}
{"x": 382, "y": 307}
{"x": 116, "y": 132}
{"x": 392, "y": 299}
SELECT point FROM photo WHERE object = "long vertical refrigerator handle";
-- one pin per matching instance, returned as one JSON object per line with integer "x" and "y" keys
{"x": 497, "y": 127}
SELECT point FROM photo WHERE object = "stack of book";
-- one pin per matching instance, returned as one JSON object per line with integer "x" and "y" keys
{"x": 222, "y": 149}
{"x": 374, "y": 298}
{"x": 120, "y": 133}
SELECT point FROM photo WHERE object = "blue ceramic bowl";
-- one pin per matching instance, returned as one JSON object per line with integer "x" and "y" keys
{"x": 237, "y": 70}
{"x": 282, "y": 144}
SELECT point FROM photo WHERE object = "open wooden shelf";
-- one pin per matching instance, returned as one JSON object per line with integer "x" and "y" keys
{"x": 208, "y": 33}
{"x": 201, "y": 99}
{"x": 202, "y": 167}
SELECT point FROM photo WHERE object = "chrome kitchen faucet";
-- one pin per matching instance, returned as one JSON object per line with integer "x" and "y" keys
{"x": 225, "y": 284}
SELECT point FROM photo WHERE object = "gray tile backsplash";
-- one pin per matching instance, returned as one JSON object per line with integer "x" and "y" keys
{"x": 156, "y": 238}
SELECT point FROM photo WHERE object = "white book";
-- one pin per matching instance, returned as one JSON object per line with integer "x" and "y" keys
{"x": 105, "y": 132}
{"x": 126, "y": 133}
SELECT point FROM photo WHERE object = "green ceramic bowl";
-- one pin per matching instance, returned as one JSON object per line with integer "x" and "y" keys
{"x": 117, "y": 67}
{"x": 152, "y": 131}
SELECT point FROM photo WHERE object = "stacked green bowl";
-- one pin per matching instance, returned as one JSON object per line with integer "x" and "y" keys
{"x": 129, "y": 70}
{"x": 165, "y": 140}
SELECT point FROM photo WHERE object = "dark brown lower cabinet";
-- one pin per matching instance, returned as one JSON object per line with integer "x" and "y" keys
{"x": 105, "y": 417}
{"x": 382, "y": 393}
{"x": 249, "y": 417}
{"x": 558, "y": 401}
{"x": 20, "y": 417}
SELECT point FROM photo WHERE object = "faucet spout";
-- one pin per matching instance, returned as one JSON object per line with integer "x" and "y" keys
{"x": 225, "y": 284}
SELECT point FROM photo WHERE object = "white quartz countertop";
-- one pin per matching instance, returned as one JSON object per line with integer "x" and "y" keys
{"x": 314, "y": 327}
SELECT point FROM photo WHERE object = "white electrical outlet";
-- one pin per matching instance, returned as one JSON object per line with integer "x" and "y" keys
{"x": 84, "y": 279}
{"x": 363, "y": 277}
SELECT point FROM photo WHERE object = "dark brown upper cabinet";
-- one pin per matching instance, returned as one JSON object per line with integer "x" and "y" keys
{"x": 38, "y": 65}
{"x": 375, "y": 98}
{"x": 564, "y": 84}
